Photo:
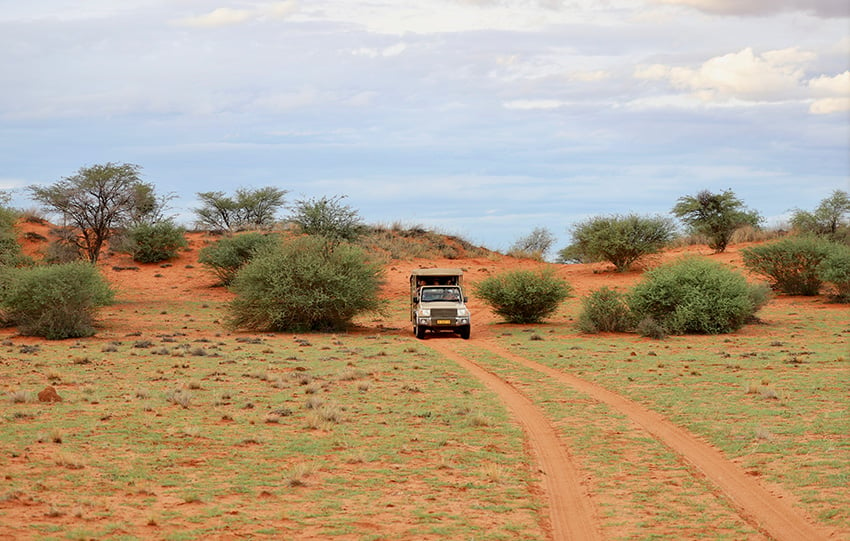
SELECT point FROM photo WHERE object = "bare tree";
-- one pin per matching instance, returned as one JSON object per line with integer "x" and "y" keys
{"x": 97, "y": 200}
{"x": 535, "y": 245}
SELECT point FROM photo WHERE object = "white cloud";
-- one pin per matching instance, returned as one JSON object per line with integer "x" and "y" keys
{"x": 218, "y": 17}
{"x": 285, "y": 101}
{"x": 228, "y": 16}
{"x": 590, "y": 76}
{"x": 392, "y": 50}
{"x": 832, "y": 94}
{"x": 744, "y": 77}
{"x": 530, "y": 105}
{"x": 772, "y": 76}
{"x": 398, "y": 17}
{"x": 821, "y": 8}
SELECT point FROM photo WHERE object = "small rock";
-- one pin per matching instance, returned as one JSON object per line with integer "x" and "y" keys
{"x": 49, "y": 394}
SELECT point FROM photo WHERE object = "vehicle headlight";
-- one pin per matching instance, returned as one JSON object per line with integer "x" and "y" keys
{"x": 463, "y": 312}
{"x": 425, "y": 312}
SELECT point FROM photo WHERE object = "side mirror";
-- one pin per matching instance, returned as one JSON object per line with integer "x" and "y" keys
{"x": 465, "y": 300}
{"x": 415, "y": 300}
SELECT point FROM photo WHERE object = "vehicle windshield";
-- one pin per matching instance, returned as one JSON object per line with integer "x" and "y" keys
{"x": 434, "y": 294}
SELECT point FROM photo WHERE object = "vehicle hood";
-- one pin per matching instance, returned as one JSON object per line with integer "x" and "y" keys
{"x": 442, "y": 304}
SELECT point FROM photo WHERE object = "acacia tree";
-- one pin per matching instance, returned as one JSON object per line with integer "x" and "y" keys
{"x": 97, "y": 200}
{"x": 327, "y": 217}
{"x": 715, "y": 215}
{"x": 246, "y": 209}
{"x": 827, "y": 218}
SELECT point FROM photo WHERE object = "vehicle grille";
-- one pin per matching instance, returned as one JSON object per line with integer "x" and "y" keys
{"x": 444, "y": 312}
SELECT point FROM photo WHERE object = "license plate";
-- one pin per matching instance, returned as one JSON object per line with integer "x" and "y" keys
{"x": 444, "y": 322}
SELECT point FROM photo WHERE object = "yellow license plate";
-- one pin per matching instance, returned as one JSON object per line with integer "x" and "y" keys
{"x": 444, "y": 322}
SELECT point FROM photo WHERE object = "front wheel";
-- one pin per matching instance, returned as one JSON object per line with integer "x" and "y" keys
{"x": 464, "y": 333}
{"x": 419, "y": 332}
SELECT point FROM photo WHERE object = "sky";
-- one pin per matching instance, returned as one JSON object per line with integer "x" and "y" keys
{"x": 479, "y": 118}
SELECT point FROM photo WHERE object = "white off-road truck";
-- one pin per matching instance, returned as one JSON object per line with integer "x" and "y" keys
{"x": 437, "y": 302}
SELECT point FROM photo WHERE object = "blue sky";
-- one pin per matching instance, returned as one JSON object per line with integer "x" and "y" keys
{"x": 484, "y": 118}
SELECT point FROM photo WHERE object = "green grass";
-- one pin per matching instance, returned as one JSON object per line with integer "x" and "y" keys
{"x": 772, "y": 397}
{"x": 406, "y": 438}
{"x": 415, "y": 446}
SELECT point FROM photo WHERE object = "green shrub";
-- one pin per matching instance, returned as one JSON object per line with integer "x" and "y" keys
{"x": 11, "y": 253}
{"x": 696, "y": 295}
{"x": 303, "y": 285}
{"x": 152, "y": 243}
{"x": 622, "y": 240}
{"x": 524, "y": 296}
{"x": 791, "y": 264}
{"x": 54, "y": 301}
{"x": 835, "y": 269}
{"x": 226, "y": 256}
{"x": 328, "y": 217}
{"x": 605, "y": 310}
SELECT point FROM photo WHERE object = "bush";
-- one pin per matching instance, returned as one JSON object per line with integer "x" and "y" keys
{"x": 835, "y": 269}
{"x": 11, "y": 253}
{"x": 605, "y": 310}
{"x": 791, "y": 264}
{"x": 622, "y": 240}
{"x": 524, "y": 296}
{"x": 226, "y": 256}
{"x": 152, "y": 243}
{"x": 54, "y": 301}
{"x": 327, "y": 217}
{"x": 302, "y": 285}
{"x": 696, "y": 295}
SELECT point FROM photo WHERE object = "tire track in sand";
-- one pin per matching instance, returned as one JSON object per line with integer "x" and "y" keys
{"x": 763, "y": 510}
{"x": 570, "y": 509}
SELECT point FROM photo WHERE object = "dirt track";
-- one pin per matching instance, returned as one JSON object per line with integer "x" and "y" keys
{"x": 571, "y": 509}
{"x": 570, "y": 506}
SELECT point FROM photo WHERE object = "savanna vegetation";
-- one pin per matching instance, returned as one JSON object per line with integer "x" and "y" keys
{"x": 192, "y": 411}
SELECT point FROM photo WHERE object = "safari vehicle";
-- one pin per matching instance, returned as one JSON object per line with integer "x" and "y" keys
{"x": 437, "y": 303}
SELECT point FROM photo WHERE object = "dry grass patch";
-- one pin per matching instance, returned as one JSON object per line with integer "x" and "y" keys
{"x": 179, "y": 397}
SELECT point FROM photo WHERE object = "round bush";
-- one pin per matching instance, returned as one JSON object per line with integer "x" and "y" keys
{"x": 226, "y": 256}
{"x": 304, "y": 285}
{"x": 791, "y": 264}
{"x": 152, "y": 243}
{"x": 524, "y": 296}
{"x": 605, "y": 310}
{"x": 622, "y": 240}
{"x": 696, "y": 295}
{"x": 835, "y": 269}
{"x": 55, "y": 301}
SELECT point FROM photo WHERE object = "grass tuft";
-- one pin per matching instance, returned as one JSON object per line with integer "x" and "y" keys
{"x": 179, "y": 397}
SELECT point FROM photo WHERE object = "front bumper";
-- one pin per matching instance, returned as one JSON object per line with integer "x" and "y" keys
{"x": 447, "y": 323}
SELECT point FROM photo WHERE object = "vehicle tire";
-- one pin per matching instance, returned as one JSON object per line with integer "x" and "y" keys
{"x": 464, "y": 333}
{"x": 419, "y": 332}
